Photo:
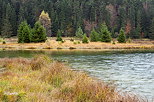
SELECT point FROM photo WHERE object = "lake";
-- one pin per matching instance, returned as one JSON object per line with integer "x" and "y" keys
{"x": 131, "y": 71}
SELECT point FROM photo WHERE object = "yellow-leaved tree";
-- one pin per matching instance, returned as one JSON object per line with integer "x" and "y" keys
{"x": 45, "y": 20}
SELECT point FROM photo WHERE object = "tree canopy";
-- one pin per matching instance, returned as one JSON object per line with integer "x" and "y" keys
{"x": 135, "y": 16}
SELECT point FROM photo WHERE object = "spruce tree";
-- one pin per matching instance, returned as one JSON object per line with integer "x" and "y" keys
{"x": 94, "y": 36}
{"x": 6, "y": 28}
{"x": 85, "y": 39}
{"x": 79, "y": 33}
{"x": 38, "y": 33}
{"x": 59, "y": 38}
{"x": 20, "y": 30}
{"x": 24, "y": 33}
{"x": 152, "y": 30}
{"x": 105, "y": 33}
{"x": 122, "y": 36}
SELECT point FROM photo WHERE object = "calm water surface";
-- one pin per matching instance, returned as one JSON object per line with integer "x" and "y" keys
{"x": 131, "y": 71}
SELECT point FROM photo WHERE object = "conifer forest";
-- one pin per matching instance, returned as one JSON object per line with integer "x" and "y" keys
{"x": 136, "y": 17}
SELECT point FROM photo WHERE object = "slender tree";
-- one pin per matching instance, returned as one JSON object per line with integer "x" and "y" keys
{"x": 59, "y": 38}
{"x": 79, "y": 33}
{"x": 105, "y": 34}
{"x": 122, "y": 37}
{"x": 85, "y": 39}
{"x": 45, "y": 20}
{"x": 6, "y": 28}
{"x": 94, "y": 36}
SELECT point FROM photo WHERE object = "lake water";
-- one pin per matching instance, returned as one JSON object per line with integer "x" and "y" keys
{"x": 131, "y": 71}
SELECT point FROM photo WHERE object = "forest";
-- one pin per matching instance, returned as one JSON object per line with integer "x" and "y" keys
{"x": 136, "y": 17}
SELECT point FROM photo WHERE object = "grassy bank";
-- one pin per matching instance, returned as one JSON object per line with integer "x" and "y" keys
{"x": 51, "y": 43}
{"x": 41, "y": 79}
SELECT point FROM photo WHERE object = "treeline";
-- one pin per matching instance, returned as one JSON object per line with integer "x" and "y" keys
{"x": 136, "y": 17}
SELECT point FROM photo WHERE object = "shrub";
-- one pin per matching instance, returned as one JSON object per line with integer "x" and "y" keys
{"x": 129, "y": 40}
{"x": 122, "y": 37}
{"x": 113, "y": 42}
{"x": 59, "y": 38}
{"x": 85, "y": 39}
{"x": 72, "y": 39}
{"x": 4, "y": 42}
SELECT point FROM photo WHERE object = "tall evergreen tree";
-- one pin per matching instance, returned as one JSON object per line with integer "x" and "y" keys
{"x": 24, "y": 33}
{"x": 122, "y": 36}
{"x": 38, "y": 33}
{"x": 94, "y": 36}
{"x": 6, "y": 28}
{"x": 105, "y": 34}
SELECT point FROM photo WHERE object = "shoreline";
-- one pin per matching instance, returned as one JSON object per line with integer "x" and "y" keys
{"x": 90, "y": 46}
{"x": 76, "y": 44}
{"x": 54, "y": 81}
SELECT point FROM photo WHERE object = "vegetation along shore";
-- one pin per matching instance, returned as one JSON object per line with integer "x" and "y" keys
{"x": 42, "y": 79}
{"x": 51, "y": 43}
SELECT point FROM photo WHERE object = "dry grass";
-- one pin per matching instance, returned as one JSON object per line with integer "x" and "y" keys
{"x": 43, "y": 80}
{"x": 51, "y": 43}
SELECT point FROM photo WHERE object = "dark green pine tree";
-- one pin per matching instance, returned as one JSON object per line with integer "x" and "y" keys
{"x": 105, "y": 33}
{"x": 6, "y": 30}
{"x": 85, "y": 39}
{"x": 24, "y": 33}
{"x": 38, "y": 33}
{"x": 59, "y": 38}
{"x": 137, "y": 33}
{"x": 122, "y": 36}
{"x": 12, "y": 17}
{"x": 20, "y": 30}
{"x": 21, "y": 15}
{"x": 152, "y": 30}
{"x": 94, "y": 36}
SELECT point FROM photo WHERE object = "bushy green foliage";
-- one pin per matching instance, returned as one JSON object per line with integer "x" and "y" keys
{"x": 122, "y": 36}
{"x": 59, "y": 38}
{"x": 94, "y": 36}
{"x": 27, "y": 35}
{"x": 105, "y": 33}
{"x": 38, "y": 33}
{"x": 79, "y": 33}
{"x": 24, "y": 33}
{"x": 85, "y": 39}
